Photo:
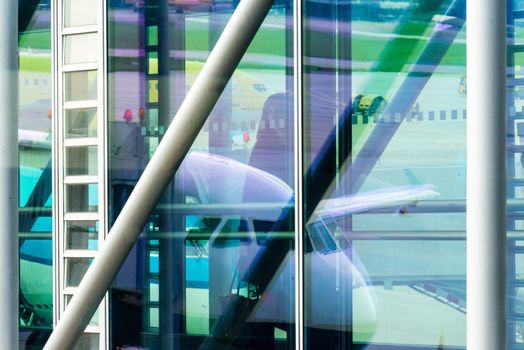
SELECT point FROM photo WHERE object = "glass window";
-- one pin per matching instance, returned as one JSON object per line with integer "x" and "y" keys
{"x": 384, "y": 137}
{"x": 75, "y": 270}
{"x": 82, "y": 235}
{"x": 80, "y": 12}
{"x": 80, "y": 86}
{"x": 80, "y": 48}
{"x": 82, "y": 160}
{"x": 81, "y": 122}
{"x": 201, "y": 251}
{"x": 88, "y": 341}
{"x": 82, "y": 198}
{"x": 515, "y": 173}
{"x": 35, "y": 174}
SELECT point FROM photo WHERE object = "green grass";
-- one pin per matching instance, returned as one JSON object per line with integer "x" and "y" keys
{"x": 32, "y": 63}
{"x": 367, "y": 50}
{"x": 35, "y": 40}
{"x": 272, "y": 42}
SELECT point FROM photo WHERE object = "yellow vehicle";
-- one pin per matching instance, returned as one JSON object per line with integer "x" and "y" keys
{"x": 369, "y": 104}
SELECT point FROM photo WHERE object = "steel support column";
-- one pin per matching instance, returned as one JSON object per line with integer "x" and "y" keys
{"x": 486, "y": 174}
{"x": 186, "y": 124}
{"x": 9, "y": 174}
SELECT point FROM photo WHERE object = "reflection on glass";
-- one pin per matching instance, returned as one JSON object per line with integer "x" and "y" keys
{"x": 35, "y": 174}
{"x": 80, "y": 86}
{"x": 75, "y": 270}
{"x": 152, "y": 35}
{"x": 82, "y": 160}
{"x": 219, "y": 245}
{"x": 82, "y": 198}
{"x": 153, "y": 91}
{"x": 80, "y": 48}
{"x": 152, "y": 59}
{"x": 515, "y": 174}
{"x": 382, "y": 85}
{"x": 88, "y": 341}
{"x": 154, "y": 318}
{"x": 94, "y": 319}
{"x": 519, "y": 266}
{"x": 82, "y": 235}
{"x": 80, "y": 12}
{"x": 81, "y": 122}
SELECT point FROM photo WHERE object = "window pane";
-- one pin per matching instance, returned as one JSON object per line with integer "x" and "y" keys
{"x": 88, "y": 341}
{"x": 384, "y": 136}
{"x": 80, "y": 86}
{"x": 35, "y": 173}
{"x": 81, "y": 48}
{"x": 80, "y": 12}
{"x": 515, "y": 174}
{"x": 81, "y": 122}
{"x": 82, "y": 198}
{"x": 82, "y": 160}
{"x": 227, "y": 274}
{"x": 75, "y": 270}
{"x": 82, "y": 235}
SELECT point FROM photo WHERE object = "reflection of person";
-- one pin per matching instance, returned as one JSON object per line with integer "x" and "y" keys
{"x": 273, "y": 149}
{"x": 250, "y": 318}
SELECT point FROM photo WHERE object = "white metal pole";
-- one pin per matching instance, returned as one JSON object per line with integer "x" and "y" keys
{"x": 9, "y": 174}
{"x": 179, "y": 137}
{"x": 486, "y": 174}
{"x": 299, "y": 170}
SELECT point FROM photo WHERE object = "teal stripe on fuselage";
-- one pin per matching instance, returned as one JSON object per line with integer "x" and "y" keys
{"x": 37, "y": 250}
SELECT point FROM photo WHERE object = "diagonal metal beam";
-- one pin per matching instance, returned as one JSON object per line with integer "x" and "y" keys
{"x": 177, "y": 141}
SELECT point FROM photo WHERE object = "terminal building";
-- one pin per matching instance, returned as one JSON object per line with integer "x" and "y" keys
{"x": 321, "y": 203}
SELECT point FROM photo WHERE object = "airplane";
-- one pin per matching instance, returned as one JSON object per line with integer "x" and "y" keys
{"x": 323, "y": 260}
{"x": 252, "y": 196}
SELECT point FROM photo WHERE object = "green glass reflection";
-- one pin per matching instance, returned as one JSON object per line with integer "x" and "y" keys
{"x": 152, "y": 35}
{"x": 35, "y": 174}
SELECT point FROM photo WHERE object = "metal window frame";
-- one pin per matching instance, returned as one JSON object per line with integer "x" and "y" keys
{"x": 60, "y": 145}
{"x": 299, "y": 171}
